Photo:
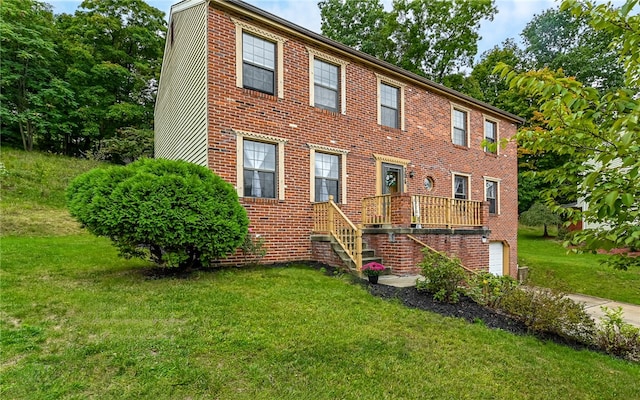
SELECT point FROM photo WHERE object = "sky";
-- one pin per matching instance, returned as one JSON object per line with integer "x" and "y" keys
{"x": 512, "y": 16}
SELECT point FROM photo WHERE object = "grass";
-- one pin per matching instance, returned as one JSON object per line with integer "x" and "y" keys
{"x": 32, "y": 199}
{"x": 78, "y": 322}
{"x": 551, "y": 266}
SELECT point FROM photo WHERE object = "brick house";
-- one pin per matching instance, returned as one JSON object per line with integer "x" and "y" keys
{"x": 335, "y": 155}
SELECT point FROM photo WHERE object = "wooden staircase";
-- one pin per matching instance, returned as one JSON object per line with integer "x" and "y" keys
{"x": 368, "y": 255}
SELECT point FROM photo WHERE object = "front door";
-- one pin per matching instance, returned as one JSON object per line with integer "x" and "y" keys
{"x": 392, "y": 178}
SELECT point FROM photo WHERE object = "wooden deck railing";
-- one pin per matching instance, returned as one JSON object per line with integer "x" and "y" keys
{"x": 328, "y": 218}
{"x": 432, "y": 211}
{"x": 376, "y": 210}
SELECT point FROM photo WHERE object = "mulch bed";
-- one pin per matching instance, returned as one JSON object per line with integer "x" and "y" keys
{"x": 466, "y": 308}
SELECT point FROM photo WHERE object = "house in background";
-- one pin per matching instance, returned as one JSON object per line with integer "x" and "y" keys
{"x": 338, "y": 157}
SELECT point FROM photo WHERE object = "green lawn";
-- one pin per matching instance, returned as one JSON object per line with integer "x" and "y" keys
{"x": 551, "y": 266}
{"x": 78, "y": 322}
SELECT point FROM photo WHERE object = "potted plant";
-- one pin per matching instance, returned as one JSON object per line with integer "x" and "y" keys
{"x": 373, "y": 270}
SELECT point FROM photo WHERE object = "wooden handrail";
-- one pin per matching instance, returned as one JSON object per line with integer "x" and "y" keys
{"x": 376, "y": 210}
{"x": 444, "y": 211}
{"x": 329, "y": 218}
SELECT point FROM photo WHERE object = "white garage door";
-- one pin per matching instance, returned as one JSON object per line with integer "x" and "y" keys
{"x": 495, "y": 258}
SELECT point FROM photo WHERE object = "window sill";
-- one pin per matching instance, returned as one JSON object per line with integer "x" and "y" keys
{"x": 260, "y": 95}
{"x": 335, "y": 114}
{"x": 489, "y": 154}
{"x": 458, "y": 146}
{"x": 390, "y": 129}
{"x": 259, "y": 200}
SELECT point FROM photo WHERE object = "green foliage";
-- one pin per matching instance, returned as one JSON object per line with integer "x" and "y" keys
{"x": 175, "y": 213}
{"x": 27, "y": 50}
{"x": 492, "y": 88}
{"x": 557, "y": 39}
{"x": 70, "y": 82}
{"x": 618, "y": 337}
{"x": 596, "y": 132}
{"x": 128, "y": 145}
{"x": 538, "y": 215}
{"x": 489, "y": 289}
{"x": 443, "y": 276}
{"x": 548, "y": 311}
{"x": 430, "y": 38}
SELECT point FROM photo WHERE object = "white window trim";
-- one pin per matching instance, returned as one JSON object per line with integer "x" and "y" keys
{"x": 242, "y": 26}
{"x": 484, "y": 136}
{"x": 453, "y": 184}
{"x": 497, "y": 181}
{"x": 342, "y": 65}
{"x": 391, "y": 82}
{"x": 343, "y": 169}
{"x": 279, "y": 142}
{"x": 458, "y": 107}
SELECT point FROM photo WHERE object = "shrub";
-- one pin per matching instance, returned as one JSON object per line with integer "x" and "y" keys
{"x": 443, "y": 276}
{"x": 615, "y": 336}
{"x": 489, "y": 289}
{"x": 253, "y": 248}
{"x": 175, "y": 213}
{"x": 548, "y": 311}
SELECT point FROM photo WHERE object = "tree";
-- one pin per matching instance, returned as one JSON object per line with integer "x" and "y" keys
{"x": 494, "y": 90}
{"x": 27, "y": 91}
{"x": 559, "y": 39}
{"x": 597, "y": 134}
{"x": 111, "y": 54}
{"x": 539, "y": 214}
{"x": 174, "y": 213}
{"x": 430, "y": 38}
{"x": 360, "y": 24}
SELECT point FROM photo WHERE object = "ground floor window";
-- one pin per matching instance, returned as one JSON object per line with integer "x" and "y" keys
{"x": 259, "y": 169}
{"x": 461, "y": 187}
{"x": 327, "y": 177}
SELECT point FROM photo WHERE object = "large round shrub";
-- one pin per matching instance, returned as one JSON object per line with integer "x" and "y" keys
{"x": 175, "y": 213}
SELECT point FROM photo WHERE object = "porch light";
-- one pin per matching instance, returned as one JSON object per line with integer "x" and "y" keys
{"x": 484, "y": 239}
{"x": 412, "y": 174}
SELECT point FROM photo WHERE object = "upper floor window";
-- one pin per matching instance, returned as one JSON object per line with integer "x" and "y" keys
{"x": 461, "y": 187}
{"x": 259, "y": 57}
{"x": 460, "y": 127}
{"x": 326, "y": 85}
{"x": 258, "y": 64}
{"x": 327, "y": 81}
{"x": 389, "y": 105}
{"x": 490, "y": 136}
{"x": 390, "y": 102}
{"x": 491, "y": 195}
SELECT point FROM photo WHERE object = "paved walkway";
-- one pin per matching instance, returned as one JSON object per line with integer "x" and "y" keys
{"x": 631, "y": 312}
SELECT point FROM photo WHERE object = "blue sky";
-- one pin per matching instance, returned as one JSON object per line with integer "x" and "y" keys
{"x": 511, "y": 18}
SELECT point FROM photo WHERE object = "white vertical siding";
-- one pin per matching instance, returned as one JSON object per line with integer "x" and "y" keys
{"x": 180, "y": 116}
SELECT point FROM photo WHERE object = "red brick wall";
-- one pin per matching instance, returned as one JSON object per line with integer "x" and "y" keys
{"x": 403, "y": 254}
{"x": 286, "y": 224}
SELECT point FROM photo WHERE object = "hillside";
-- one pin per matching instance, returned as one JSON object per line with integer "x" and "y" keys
{"x": 32, "y": 186}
